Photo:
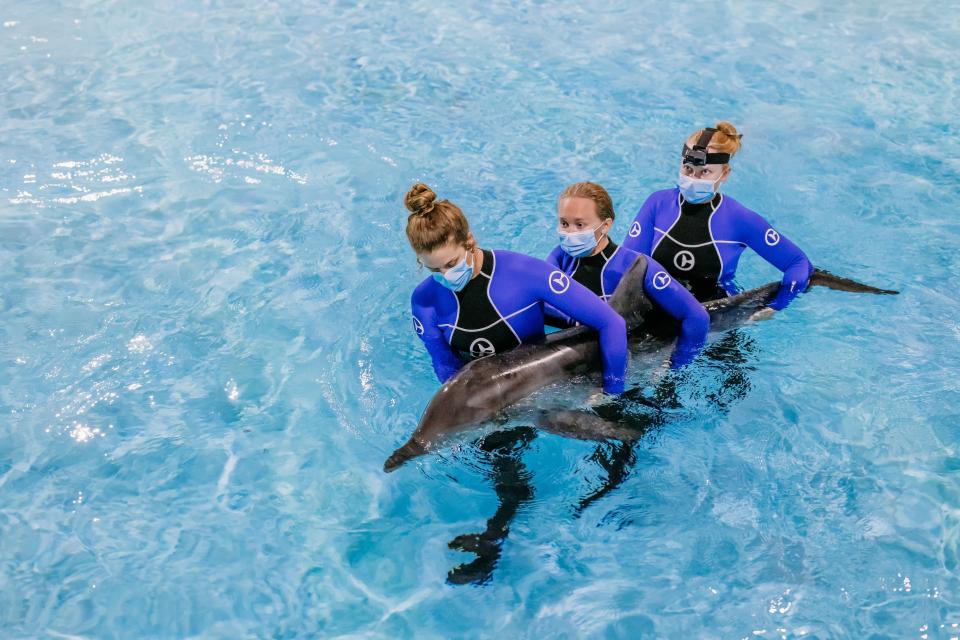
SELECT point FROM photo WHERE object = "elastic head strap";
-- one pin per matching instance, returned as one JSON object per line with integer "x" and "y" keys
{"x": 705, "y": 137}
{"x": 698, "y": 155}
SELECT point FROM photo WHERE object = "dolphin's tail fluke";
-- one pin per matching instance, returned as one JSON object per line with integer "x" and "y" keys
{"x": 821, "y": 278}
{"x": 408, "y": 451}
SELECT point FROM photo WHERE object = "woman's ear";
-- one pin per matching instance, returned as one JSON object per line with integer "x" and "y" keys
{"x": 471, "y": 242}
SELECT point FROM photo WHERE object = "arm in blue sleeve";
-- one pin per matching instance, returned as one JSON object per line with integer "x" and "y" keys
{"x": 552, "y": 316}
{"x": 781, "y": 253}
{"x": 445, "y": 361}
{"x": 558, "y": 289}
{"x": 672, "y": 297}
{"x": 639, "y": 236}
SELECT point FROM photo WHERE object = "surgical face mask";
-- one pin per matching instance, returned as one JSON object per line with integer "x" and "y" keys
{"x": 579, "y": 243}
{"x": 696, "y": 191}
{"x": 457, "y": 276}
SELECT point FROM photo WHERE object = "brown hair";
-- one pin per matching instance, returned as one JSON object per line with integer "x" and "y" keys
{"x": 433, "y": 223}
{"x": 591, "y": 191}
{"x": 725, "y": 140}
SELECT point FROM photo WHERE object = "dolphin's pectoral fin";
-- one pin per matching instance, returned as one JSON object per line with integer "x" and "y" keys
{"x": 584, "y": 425}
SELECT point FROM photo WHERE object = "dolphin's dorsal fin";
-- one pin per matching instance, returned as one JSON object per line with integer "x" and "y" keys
{"x": 629, "y": 299}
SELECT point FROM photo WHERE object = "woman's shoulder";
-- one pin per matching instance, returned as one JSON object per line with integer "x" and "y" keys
{"x": 425, "y": 294}
{"x": 661, "y": 197}
{"x": 560, "y": 258}
{"x": 514, "y": 260}
{"x": 623, "y": 257}
{"x": 624, "y": 253}
{"x": 731, "y": 205}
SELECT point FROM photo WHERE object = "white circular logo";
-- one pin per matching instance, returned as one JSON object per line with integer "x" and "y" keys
{"x": 558, "y": 281}
{"x": 417, "y": 326}
{"x": 635, "y": 229}
{"x": 661, "y": 281}
{"x": 684, "y": 260}
{"x": 481, "y": 348}
{"x": 771, "y": 237}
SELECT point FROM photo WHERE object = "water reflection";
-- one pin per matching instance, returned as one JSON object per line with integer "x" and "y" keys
{"x": 511, "y": 481}
{"x": 731, "y": 356}
{"x": 619, "y": 424}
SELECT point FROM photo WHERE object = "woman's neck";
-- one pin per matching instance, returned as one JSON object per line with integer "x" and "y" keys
{"x": 601, "y": 245}
{"x": 477, "y": 261}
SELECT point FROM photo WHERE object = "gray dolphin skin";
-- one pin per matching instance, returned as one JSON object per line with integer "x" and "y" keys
{"x": 485, "y": 387}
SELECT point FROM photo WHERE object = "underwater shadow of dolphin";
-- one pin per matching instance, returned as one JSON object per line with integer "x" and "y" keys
{"x": 485, "y": 387}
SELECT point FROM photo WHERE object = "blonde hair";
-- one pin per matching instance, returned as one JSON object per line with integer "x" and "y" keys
{"x": 433, "y": 223}
{"x": 591, "y": 191}
{"x": 725, "y": 140}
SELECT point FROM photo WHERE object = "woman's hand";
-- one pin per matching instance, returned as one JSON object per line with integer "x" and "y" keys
{"x": 763, "y": 314}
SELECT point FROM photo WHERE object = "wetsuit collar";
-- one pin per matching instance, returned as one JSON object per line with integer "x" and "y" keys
{"x": 696, "y": 208}
{"x": 603, "y": 256}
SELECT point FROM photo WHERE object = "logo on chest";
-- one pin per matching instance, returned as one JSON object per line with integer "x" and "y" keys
{"x": 481, "y": 347}
{"x": 683, "y": 260}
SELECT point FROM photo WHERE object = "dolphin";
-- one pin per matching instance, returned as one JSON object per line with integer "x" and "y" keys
{"x": 483, "y": 388}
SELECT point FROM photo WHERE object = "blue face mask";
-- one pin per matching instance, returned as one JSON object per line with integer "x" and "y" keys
{"x": 579, "y": 243}
{"x": 696, "y": 191}
{"x": 457, "y": 276}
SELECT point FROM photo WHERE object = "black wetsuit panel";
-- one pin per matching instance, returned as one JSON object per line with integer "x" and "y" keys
{"x": 689, "y": 253}
{"x": 589, "y": 270}
{"x": 481, "y": 330}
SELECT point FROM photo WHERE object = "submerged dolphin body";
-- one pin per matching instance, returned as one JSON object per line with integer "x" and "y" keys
{"x": 485, "y": 387}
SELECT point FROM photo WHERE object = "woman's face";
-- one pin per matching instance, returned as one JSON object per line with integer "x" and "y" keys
{"x": 717, "y": 173}
{"x": 444, "y": 257}
{"x": 580, "y": 214}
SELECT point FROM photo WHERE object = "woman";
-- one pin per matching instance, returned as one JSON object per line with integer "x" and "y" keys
{"x": 699, "y": 233}
{"x": 480, "y": 302}
{"x": 584, "y": 217}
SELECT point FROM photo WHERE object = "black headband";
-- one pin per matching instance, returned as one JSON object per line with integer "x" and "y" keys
{"x": 698, "y": 155}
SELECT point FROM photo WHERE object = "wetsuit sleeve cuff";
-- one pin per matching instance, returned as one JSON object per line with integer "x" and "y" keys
{"x": 613, "y": 386}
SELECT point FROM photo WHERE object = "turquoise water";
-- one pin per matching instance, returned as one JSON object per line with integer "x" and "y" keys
{"x": 207, "y": 355}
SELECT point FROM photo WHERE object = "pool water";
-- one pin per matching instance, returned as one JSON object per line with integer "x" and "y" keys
{"x": 206, "y": 350}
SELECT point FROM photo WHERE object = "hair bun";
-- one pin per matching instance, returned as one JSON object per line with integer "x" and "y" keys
{"x": 420, "y": 200}
{"x": 727, "y": 127}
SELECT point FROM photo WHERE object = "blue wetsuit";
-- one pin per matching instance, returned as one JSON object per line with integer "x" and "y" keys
{"x": 601, "y": 273}
{"x": 700, "y": 244}
{"x": 502, "y": 307}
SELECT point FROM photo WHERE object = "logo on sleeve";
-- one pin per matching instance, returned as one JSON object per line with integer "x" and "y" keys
{"x": 558, "y": 281}
{"x": 481, "y": 348}
{"x": 635, "y": 229}
{"x": 417, "y": 326}
{"x": 684, "y": 260}
{"x": 661, "y": 280}
{"x": 771, "y": 237}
